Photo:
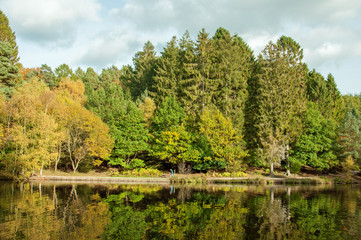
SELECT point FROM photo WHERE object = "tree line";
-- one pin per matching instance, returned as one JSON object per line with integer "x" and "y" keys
{"x": 201, "y": 104}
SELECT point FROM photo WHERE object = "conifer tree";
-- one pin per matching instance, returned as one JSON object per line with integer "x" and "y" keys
{"x": 9, "y": 76}
{"x": 8, "y": 36}
{"x": 281, "y": 99}
{"x": 231, "y": 69}
{"x": 48, "y": 76}
{"x": 141, "y": 78}
{"x": 349, "y": 143}
{"x": 196, "y": 87}
{"x": 167, "y": 73}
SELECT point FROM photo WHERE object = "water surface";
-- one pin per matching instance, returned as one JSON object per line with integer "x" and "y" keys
{"x": 88, "y": 211}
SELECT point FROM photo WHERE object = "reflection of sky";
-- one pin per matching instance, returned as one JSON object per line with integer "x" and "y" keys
{"x": 101, "y": 33}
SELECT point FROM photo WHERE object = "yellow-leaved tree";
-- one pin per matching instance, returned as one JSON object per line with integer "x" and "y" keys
{"x": 225, "y": 141}
{"x": 86, "y": 135}
{"x": 32, "y": 131}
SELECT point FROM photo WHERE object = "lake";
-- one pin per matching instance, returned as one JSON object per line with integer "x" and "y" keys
{"x": 91, "y": 211}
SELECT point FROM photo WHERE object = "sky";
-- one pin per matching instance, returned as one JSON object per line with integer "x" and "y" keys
{"x": 102, "y": 33}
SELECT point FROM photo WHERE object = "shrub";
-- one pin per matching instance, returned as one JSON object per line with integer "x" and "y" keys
{"x": 143, "y": 172}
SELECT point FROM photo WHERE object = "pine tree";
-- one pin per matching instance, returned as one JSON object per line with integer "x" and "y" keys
{"x": 281, "y": 99}
{"x": 349, "y": 138}
{"x": 9, "y": 73}
{"x": 337, "y": 101}
{"x": 231, "y": 69}
{"x": 141, "y": 78}
{"x": 130, "y": 136}
{"x": 48, "y": 76}
{"x": 167, "y": 73}
{"x": 8, "y": 36}
{"x": 169, "y": 114}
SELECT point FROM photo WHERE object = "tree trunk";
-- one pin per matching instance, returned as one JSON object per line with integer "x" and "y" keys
{"x": 271, "y": 173}
{"x": 41, "y": 169}
{"x": 287, "y": 155}
{"x": 288, "y": 171}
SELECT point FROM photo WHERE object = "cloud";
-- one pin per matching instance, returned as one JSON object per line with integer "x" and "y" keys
{"x": 241, "y": 16}
{"x": 106, "y": 32}
{"x": 55, "y": 21}
{"x": 109, "y": 47}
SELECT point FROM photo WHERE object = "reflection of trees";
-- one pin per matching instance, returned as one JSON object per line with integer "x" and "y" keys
{"x": 276, "y": 216}
{"x": 227, "y": 220}
{"x": 29, "y": 211}
{"x": 40, "y": 212}
{"x": 318, "y": 216}
{"x": 184, "y": 193}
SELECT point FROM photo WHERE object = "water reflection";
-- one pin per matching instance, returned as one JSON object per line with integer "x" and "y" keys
{"x": 82, "y": 211}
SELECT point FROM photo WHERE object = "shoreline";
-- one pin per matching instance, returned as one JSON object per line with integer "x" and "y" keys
{"x": 191, "y": 179}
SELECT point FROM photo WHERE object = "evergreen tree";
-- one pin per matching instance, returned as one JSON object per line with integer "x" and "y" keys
{"x": 281, "y": 99}
{"x": 64, "y": 71}
{"x": 9, "y": 76}
{"x": 141, "y": 78}
{"x": 337, "y": 101}
{"x": 318, "y": 92}
{"x": 90, "y": 80}
{"x": 130, "y": 136}
{"x": 231, "y": 69}
{"x": 48, "y": 76}
{"x": 169, "y": 114}
{"x": 8, "y": 36}
{"x": 197, "y": 89}
{"x": 349, "y": 138}
{"x": 167, "y": 73}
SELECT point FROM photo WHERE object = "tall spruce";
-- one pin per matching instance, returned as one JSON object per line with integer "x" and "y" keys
{"x": 168, "y": 73}
{"x": 141, "y": 78}
{"x": 197, "y": 87}
{"x": 9, "y": 73}
{"x": 8, "y": 36}
{"x": 231, "y": 69}
{"x": 281, "y": 98}
{"x": 349, "y": 138}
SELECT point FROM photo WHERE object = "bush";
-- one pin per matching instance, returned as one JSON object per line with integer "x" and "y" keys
{"x": 143, "y": 172}
{"x": 227, "y": 174}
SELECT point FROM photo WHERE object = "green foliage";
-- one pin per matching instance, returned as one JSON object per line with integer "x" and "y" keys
{"x": 279, "y": 113}
{"x": 165, "y": 102}
{"x": 9, "y": 76}
{"x": 168, "y": 73}
{"x": 130, "y": 136}
{"x": 64, "y": 71}
{"x": 168, "y": 115}
{"x": 225, "y": 141}
{"x": 126, "y": 224}
{"x": 7, "y": 36}
{"x": 326, "y": 95}
{"x": 143, "y": 172}
{"x": 315, "y": 146}
{"x": 231, "y": 63}
{"x": 349, "y": 138}
{"x": 174, "y": 146}
{"x": 141, "y": 78}
{"x": 49, "y": 76}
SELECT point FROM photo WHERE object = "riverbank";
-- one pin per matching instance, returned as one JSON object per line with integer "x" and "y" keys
{"x": 201, "y": 179}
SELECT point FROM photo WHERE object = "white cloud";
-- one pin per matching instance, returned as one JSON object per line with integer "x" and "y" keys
{"x": 50, "y": 20}
{"x": 105, "y": 32}
{"x": 329, "y": 50}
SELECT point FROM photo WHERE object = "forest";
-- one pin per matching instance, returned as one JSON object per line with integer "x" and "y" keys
{"x": 204, "y": 104}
